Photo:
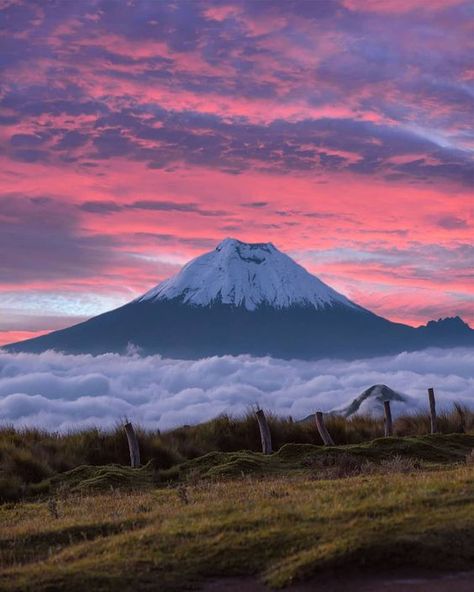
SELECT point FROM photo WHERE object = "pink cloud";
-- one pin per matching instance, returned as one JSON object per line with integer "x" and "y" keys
{"x": 380, "y": 159}
{"x": 399, "y": 6}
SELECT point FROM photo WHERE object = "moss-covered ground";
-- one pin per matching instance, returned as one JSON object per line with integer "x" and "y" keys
{"x": 300, "y": 512}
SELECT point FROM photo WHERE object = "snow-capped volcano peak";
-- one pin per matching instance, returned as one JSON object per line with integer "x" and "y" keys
{"x": 248, "y": 275}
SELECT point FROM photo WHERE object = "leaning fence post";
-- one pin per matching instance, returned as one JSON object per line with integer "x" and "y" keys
{"x": 132, "y": 445}
{"x": 388, "y": 419}
{"x": 264, "y": 432}
{"x": 322, "y": 429}
{"x": 434, "y": 419}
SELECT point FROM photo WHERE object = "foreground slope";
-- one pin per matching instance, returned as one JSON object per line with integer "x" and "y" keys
{"x": 278, "y": 529}
{"x": 247, "y": 298}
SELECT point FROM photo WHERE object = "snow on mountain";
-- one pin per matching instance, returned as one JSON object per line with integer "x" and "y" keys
{"x": 247, "y": 275}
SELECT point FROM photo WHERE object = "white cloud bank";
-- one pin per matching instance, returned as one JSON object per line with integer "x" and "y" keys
{"x": 62, "y": 392}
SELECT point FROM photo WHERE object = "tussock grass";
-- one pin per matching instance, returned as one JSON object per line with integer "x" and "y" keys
{"x": 318, "y": 462}
{"x": 29, "y": 457}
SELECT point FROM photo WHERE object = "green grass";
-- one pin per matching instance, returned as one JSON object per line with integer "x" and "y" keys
{"x": 434, "y": 449}
{"x": 303, "y": 510}
{"x": 86, "y": 478}
{"x": 206, "y": 504}
{"x": 291, "y": 458}
{"x": 280, "y": 527}
{"x": 28, "y": 457}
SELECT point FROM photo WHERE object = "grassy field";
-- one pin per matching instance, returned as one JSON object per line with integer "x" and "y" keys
{"x": 302, "y": 511}
{"x": 29, "y": 457}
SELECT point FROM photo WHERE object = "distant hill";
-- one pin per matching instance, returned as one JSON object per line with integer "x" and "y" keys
{"x": 371, "y": 401}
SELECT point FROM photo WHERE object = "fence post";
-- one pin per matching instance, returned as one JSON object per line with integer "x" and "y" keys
{"x": 434, "y": 419}
{"x": 388, "y": 419}
{"x": 322, "y": 429}
{"x": 132, "y": 445}
{"x": 265, "y": 435}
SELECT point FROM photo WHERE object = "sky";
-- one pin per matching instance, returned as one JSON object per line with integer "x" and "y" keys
{"x": 134, "y": 135}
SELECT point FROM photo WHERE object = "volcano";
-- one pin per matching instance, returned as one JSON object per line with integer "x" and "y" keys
{"x": 247, "y": 298}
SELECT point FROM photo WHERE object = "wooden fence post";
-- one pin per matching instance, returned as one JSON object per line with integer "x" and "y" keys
{"x": 265, "y": 435}
{"x": 132, "y": 445}
{"x": 434, "y": 419}
{"x": 322, "y": 429}
{"x": 388, "y": 419}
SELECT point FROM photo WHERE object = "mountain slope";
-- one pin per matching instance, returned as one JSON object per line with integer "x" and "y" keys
{"x": 247, "y": 298}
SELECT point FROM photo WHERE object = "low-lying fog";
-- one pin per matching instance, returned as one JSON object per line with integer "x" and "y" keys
{"x": 62, "y": 392}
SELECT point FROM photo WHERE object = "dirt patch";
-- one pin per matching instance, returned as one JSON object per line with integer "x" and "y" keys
{"x": 399, "y": 581}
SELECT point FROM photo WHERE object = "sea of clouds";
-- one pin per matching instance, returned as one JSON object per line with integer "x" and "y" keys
{"x": 62, "y": 392}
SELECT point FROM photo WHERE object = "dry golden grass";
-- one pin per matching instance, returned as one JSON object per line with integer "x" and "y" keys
{"x": 281, "y": 528}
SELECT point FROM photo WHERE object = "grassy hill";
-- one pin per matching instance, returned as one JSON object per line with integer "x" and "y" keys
{"x": 302, "y": 511}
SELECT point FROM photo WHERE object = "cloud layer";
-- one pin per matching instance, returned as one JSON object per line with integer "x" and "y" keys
{"x": 61, "y": 392}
